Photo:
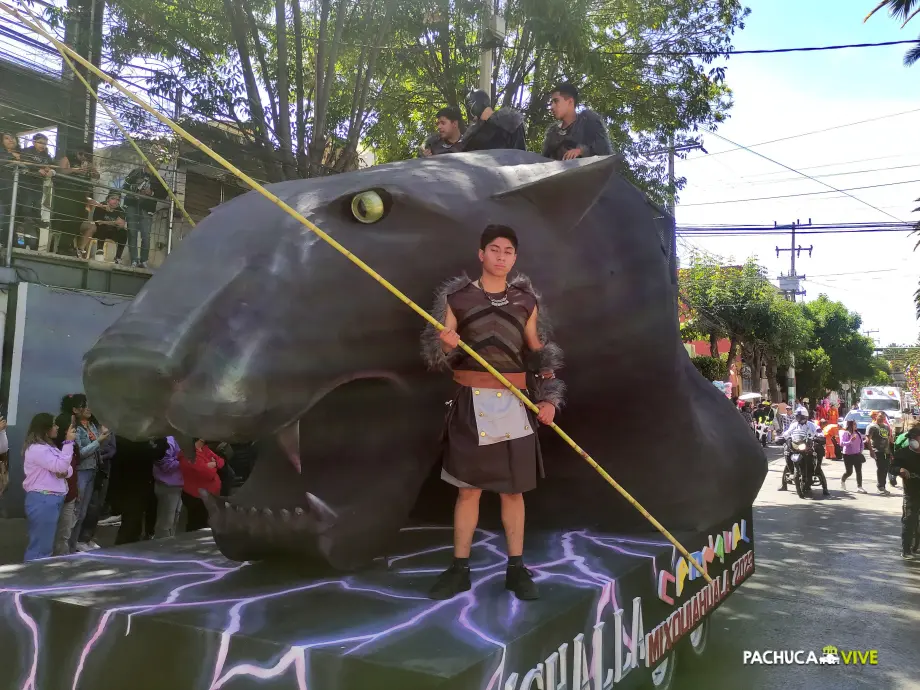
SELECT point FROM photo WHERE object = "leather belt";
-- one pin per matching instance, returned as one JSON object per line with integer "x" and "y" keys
{"x": 483, "y": 379}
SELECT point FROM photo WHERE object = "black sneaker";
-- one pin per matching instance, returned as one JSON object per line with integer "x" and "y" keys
{"x": 782, "y": 488}
{"x": 519, "y": 580}
{"x": 450, "y": 583}
{"x": 907, "y": 555}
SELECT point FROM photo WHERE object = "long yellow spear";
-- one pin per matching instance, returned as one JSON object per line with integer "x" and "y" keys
{"x": 121, "y": 128}
{"x": 364, "y": 267}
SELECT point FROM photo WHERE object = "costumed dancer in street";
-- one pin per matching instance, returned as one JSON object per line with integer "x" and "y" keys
{"x": 490, "y": 442}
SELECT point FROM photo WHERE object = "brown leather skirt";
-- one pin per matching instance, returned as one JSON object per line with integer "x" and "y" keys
{"x": 509, "y": 467}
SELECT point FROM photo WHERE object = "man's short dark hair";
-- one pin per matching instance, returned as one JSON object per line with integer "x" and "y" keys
{"x": 40, "y": 137}
{"x": 452, "y": 113}
{"x": 568, "y": 90}
{"x": 493, "y": 232}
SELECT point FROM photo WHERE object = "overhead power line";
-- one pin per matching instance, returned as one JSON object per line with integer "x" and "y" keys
{"x": 813, "y": 179}
{"x": 808, "y": 134}
{"x": 788, "y": 196}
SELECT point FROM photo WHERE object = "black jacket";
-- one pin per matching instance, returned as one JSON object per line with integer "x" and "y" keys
{"x": 588, "y": 132}
{"x": 905, "y": 458}
{"x": 503, "y": 130}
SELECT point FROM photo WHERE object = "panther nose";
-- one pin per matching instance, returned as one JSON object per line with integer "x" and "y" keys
{"x": 129, "y": 389}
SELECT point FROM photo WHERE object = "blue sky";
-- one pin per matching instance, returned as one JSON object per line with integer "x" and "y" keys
{"x": 783, "y": 95}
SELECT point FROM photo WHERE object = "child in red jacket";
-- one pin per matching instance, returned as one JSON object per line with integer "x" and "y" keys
{"x": 200, "y": 473}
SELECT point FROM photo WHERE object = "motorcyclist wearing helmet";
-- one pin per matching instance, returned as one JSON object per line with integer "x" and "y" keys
{"x": 803, "y": 425}
{"x": 907, "y": 463}
{"x": 491, "y": 129}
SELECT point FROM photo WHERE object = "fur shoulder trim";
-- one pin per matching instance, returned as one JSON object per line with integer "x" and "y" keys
{"x": 432, "y": 354}
{"x": 544, "y": 325}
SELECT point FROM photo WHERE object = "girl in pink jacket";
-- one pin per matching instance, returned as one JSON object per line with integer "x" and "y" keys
{"x": 46, "y": 472}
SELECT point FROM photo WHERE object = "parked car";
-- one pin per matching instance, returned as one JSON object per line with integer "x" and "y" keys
{"x": 863, "y": 419}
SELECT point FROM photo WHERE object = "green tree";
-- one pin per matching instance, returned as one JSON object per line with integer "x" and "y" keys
{"x": 838, "y": 351}
{"x": 732, "y": 302}
{"x": 903, "y": 11}
{"x": 785, "y": 332}
{"x": 308, "y": 83}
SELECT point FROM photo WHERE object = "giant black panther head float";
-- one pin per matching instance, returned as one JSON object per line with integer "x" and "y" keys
{"x": 256, "y": 329}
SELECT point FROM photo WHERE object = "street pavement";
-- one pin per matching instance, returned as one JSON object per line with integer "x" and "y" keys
{"x": 828, "y": 572}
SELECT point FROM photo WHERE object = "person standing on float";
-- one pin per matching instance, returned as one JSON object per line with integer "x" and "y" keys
{"x": 489, "y": 439}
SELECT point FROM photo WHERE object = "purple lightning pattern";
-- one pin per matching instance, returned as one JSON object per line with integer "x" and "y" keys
{"x": 573, "y": 566}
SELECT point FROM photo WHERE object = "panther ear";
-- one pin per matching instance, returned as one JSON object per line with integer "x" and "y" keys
{"x": 562, "y": 192}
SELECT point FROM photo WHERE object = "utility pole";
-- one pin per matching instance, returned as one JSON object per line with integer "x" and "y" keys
{"x": 790, "y": 284}
{"x": 672, "y": 206}
{"x": 493, "y": 36}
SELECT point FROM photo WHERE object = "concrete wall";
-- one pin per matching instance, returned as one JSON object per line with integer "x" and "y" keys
{"x": 48, "y": 330}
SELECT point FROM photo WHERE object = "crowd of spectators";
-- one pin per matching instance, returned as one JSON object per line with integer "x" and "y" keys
{"x": 125, "y": 219}
{"x": 78, "y": 476}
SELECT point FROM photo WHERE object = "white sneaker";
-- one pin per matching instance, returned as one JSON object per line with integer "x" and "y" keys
{"x": 861, "y": 490}
{"x": 843, "y": 484}
{"x": 87, "y": 546}
{"x": 111, "y": 521}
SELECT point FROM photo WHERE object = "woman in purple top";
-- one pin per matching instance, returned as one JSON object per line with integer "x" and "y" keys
{"x": 852, "y": 455}
{"x": 46, "y": 472}
{"x": 168, "y": 489}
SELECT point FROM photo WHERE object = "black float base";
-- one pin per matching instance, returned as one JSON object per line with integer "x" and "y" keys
{"x": 174, "y": 614}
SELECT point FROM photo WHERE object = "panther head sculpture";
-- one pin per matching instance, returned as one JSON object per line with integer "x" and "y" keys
{"x": 256, "y": 329}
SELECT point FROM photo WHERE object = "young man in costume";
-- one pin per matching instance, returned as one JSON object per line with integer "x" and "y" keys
{"x": 490, "y": 442}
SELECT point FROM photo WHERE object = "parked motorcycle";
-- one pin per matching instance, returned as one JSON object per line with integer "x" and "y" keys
{"x": 801, "y": 449}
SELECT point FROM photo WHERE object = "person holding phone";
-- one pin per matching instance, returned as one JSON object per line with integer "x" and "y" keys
{"x": 46, "y": 471}
{"x": 66, "y": 519}
{"x": 89, "y": 439}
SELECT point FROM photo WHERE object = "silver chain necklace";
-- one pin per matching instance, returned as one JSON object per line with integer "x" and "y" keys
{"x": 502, "y": 301}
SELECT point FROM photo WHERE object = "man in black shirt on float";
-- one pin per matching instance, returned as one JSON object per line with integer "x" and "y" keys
{"x": 450, "y": 129}
{"x": 108, "y": 224}
{"x": 575, "y": 134}
{"x": 32, "y": 181}
{"x": 140, "y": 207}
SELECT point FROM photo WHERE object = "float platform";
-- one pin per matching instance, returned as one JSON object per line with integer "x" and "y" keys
{"x": 174, "y": 614}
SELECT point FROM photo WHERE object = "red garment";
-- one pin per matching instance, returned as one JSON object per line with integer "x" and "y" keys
{"x": 197, "y": 475}
{"x": 72, "y": 489}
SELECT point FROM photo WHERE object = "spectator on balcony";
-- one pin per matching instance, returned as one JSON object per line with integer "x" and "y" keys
{"x": 108, "y": 223}
{"x": 9, "y": 154}
{"x": 145, "y": 191}
{"x": 32, "y": 182}
{"x": 71, "y": 189}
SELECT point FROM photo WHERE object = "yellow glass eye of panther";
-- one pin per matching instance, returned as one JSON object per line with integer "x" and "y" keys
{"x": 367, "y": 207}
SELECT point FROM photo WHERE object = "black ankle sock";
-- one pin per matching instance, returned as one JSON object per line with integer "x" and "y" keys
{"x": 461, "y": 562}
{"x": 515, "y": 561}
